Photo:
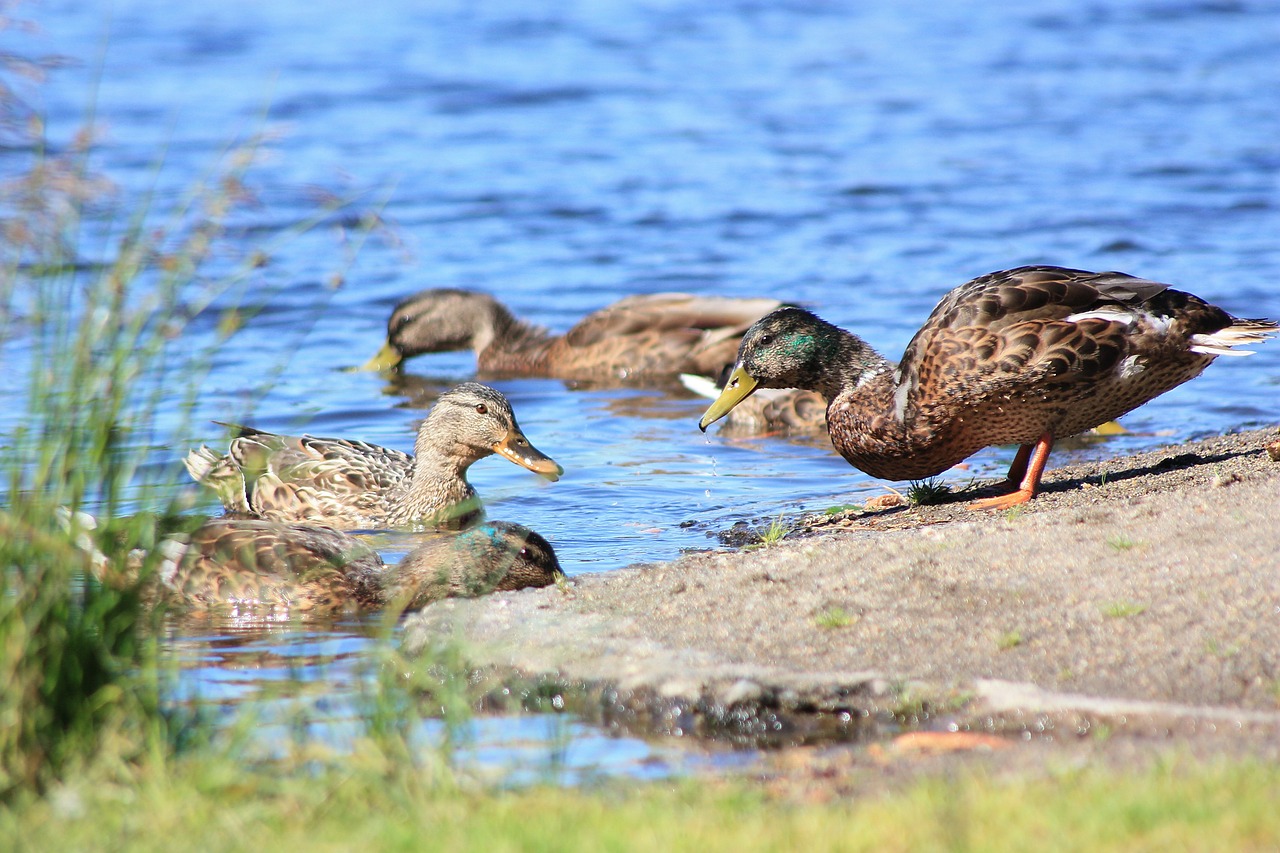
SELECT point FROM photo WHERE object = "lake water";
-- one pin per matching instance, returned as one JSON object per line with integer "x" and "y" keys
{"x": 859, "y": 157}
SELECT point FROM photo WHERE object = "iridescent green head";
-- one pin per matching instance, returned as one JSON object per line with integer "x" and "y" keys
{"x": 787, "y": 348}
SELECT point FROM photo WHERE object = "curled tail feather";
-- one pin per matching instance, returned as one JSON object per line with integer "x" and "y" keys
{"x": 209, "y": 469}
{"x": 200, "y": 462}
{"x": 1240, "y": 331}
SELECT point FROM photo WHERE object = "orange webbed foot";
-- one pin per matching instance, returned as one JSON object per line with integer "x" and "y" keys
{"x": 1027, "y": 465}
{"x": 1012, "y": 499}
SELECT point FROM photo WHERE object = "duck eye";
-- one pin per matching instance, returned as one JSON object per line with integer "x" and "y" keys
{"x": 481, "y": 408}
{"x": 766, "y": 339}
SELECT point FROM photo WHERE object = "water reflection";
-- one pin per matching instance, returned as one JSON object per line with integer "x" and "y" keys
{"x": 285, "y": 689}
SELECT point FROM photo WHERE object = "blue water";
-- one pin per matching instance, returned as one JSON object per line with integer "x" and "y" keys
{"x": 859, "y": 157}
{"x": 277, "y": 691}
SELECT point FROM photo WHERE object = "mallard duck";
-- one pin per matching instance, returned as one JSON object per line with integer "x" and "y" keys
{"x": 351, "y": 484}
{"x": 268, "y": 565}
{"x": 645, "y": 336}
{"x": 1022, "y": 356}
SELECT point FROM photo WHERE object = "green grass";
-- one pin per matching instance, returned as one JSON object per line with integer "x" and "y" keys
{"x": 1122, "y": 609}
{"x": 80, "y": 656}
{"x": 928, "y": 492}
{"x": 1121, "y": 542}
{"x": 1219, "y": 649}
{"x": 367, "y": 803}
{"x": 835, "y": 617}
{"x": 1009, "y": 640}
{"x": 773, "y": 534}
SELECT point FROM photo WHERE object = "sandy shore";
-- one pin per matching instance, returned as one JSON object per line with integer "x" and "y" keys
{"x": 1138, "y": 596}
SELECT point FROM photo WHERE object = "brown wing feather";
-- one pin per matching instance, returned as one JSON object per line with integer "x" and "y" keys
{"x": 667, "y": 312}
{"x": 658, "y": 333}
{"x": 1051, "y": 339}
{"x": 267, "y": 564}
{"x": 300, "y": 477}
{"x": 1010, "y": 327}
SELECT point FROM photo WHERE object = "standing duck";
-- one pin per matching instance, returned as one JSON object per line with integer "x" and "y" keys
{"x": 640, "y": 337}
{"x": 1024, "y": 356}
{"x": 255, "y": 565}
{"x": 351, "y": 484}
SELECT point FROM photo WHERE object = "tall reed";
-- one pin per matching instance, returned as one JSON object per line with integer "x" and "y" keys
{"x": 95, "y": 340}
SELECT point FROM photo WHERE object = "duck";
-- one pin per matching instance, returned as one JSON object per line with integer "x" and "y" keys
{"x": 642, "y": 337}
{"x": 350, "y": 484}
{"x": 1022, "y": 356}
{"x": 254, "y": 565}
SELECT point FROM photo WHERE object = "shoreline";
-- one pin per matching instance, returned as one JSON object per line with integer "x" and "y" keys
{"x": 1138, "y": 594}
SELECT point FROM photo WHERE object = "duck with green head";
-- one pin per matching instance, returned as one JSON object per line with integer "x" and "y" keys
{"x": 266, "y": 567}
{"x": 1022, "y": 356}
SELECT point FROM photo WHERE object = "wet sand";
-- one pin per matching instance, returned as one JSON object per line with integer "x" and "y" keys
{"x": 1138, "y": 596}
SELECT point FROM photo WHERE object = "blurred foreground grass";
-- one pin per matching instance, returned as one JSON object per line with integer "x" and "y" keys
{"x": 97, "y": 289}
{"x": 365, "y": 803}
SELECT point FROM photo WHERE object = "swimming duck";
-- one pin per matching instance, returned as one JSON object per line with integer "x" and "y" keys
{"x": 349, "y": 484}
{"x": 1023, "y": 356}
{"x": 642, "y": 336}
{"x": 268, "y": 565}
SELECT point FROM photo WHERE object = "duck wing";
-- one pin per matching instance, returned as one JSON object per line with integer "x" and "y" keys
{"x": 663, "y": 332}
{"x": 296, "y": 478}
{"x": 264, "y": 563}
{"x": 1005, "y": 332}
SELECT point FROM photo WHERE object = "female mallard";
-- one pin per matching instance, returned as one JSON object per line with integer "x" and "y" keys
{"x": 351, "y": 484}
{"x": 256, "y": 565}
{"x": 1023, "y": 356}
{"x": 660, "y": 334}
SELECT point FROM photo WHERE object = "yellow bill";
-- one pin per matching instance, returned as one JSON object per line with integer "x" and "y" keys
{"x": 387, "y": 358}
{"x": 739, "y": 387}
{"x": 518, "y": 449}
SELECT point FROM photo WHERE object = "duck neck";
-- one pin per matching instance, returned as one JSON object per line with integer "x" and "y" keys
{"x": 438, "y": 481}
{"x": 508, "y": 343}
{"x": 421, "y": 577}
{"x": 853, "y": 369}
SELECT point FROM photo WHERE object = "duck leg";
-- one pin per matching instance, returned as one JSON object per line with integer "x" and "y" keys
{"x": 1029, "y": 463}
{"x": 1019, "y": 467}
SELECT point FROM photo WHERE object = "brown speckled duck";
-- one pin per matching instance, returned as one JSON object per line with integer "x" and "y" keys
{"x": 1023, "y": 356}
{"x": 640, "y": 337}
{"x": 351, "y": 484}
{"x": 255, "y": 566}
